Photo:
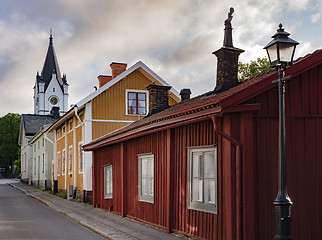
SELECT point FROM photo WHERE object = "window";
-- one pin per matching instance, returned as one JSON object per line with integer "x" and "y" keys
{"x": 43, "y": 142}
{"x": 58, "y": 163}
{"x": 136, "y": 102}
{"x": 43, "y": 163}
{"x": 108, "y": 181}
{"x": 146, "y": 178}
{"x": 80, "y": 157}
{"x": 53, "y": 89}
{"x": 58, "y": 133}
{"x": 63, "y": 129}
{"x": 70, "y": 125}
{"x": 202, "y": 179}
{"x": 38, "y": 144}
{"x": 35, "y": 166}
{"x": 70, "y": 160}
{"x": 25, "y": 162}
{"x": 63, "y": 162}
{"x": 35, "y": 147}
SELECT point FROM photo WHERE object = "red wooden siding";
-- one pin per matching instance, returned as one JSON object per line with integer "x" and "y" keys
{"x": 190, "y": 221}
{"x": 304, "y": 154}
{"x": 104, "y": 157}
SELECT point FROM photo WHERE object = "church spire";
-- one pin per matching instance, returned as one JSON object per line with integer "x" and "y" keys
{"x": 51, "y": 37}
{"x": 51, "y": 65}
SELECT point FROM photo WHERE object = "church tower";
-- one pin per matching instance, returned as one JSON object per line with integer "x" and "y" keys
{"x": 51, "y": 89}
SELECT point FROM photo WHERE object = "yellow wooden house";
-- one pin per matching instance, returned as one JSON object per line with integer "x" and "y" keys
{"x": 120, "y": 100}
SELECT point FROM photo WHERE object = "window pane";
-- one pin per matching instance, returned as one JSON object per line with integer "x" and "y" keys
{"x": 141, "y": 104}
{"x": 144, "y": 187}
{"x": 132, "y": 103}
{"x": 195, "y": 189}
{"x": 132, "y": 95}
{"x": 209, "y": 195}
{"x": 209, "y": 165}
{"x": 141, "y": 96}
{"x": 196, "y": 157}
{"x": 131, "y": 110}
{"x": 141, "y": 111}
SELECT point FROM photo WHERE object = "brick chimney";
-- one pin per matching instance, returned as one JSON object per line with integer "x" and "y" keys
{"x": 117, "y": 69}
{"x": 227, "y": 60}
{"x": 102, "y": 80}
{"x": 158, "y": 98}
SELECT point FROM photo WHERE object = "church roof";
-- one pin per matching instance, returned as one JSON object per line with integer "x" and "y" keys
{"x": 51, "y": 66}
{"x": 32, "y": 122}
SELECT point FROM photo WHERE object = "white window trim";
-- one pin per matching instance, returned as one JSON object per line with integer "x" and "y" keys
{"x": 108, "y": 167}
{"x": 63, "y": 163}
{"x": 142, "y": 198}
{"x": 137, "y": 91}
{"x": 70, "y": 122}
{"x": 58, "y": 161}
{"x": 80, "y": 170}
{"x": 70, "y": 159}
{"x": 200, "y": 206}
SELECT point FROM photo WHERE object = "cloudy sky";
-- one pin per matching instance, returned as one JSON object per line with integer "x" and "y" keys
{"x": 175, "y": 38}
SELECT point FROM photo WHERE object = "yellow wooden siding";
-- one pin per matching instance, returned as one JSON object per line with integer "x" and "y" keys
{"x": 102, "y": 128}
{"x": 173, "y": 99}
{"x": 79, "y": 176}
{"x": 60, "y": 146}
{"x": 110, "y": 104}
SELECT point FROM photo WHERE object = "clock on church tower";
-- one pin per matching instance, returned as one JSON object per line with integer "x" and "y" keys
{"x": 53, "y": 100}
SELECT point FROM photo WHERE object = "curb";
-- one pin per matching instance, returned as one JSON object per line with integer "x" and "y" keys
{"x": 64, "y": 213}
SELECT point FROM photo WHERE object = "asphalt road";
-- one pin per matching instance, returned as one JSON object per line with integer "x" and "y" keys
{"x": 22, "y": 217}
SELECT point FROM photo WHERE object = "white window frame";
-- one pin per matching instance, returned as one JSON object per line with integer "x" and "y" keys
{"x": 58, "y": 163}
{"x": 80, "y": 158}
{"x": 146, "y": 101}
{"x": 63, "y": 162}
{"x": 35, "y": 169}
{"x": 108, "y": 183}
{"x": 147, "y": 196}
{"x": 201, "y": 205}
{"x": 70, "y": 159}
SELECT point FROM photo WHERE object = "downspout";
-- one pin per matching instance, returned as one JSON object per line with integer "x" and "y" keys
{"x": 238, "y": 176}
{"x": 76, "y": 145}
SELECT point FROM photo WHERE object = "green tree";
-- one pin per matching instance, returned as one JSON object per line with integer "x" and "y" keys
{"x": 17, "y": 162}
{"x": 9, "y": 133}
{"x": 246, "y": 70}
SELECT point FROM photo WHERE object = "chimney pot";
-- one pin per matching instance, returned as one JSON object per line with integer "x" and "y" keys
{"x": 117, "y": 68}
{"x": 185, "y": 94}
{"x": 55, "y": 112}
{"x": 102, "y": 80}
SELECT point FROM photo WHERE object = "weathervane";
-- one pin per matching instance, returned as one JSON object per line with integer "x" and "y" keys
{"x": 228, "y": 39}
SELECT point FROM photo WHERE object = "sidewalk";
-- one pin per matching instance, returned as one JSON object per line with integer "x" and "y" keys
{"x": 107, "y": 224}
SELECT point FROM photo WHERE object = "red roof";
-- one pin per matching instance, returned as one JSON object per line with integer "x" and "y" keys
{"x": 206, "y": 104}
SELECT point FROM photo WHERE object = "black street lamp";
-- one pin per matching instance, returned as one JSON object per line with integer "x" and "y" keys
{"x": 280, "y": 53}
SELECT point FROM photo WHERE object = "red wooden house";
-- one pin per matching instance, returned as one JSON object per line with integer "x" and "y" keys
{"x": 207, "y": 167}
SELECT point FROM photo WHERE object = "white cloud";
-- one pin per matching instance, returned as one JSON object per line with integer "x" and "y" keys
{"x": 174, "y": 38}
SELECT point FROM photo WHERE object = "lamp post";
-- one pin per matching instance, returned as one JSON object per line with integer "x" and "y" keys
{"x": 280, "y": 53}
